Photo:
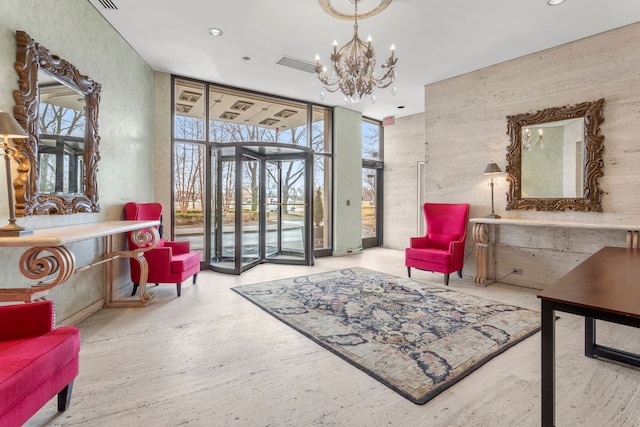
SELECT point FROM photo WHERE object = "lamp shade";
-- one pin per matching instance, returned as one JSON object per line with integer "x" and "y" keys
{"x": 492, "y": 168}
{"x": 9, "y": 127}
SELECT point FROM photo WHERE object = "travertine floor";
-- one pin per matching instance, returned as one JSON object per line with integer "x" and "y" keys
{"x": 211, "y": 358}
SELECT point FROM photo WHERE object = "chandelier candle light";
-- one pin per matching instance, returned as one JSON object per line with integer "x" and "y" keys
{"x": 353, "y": 68}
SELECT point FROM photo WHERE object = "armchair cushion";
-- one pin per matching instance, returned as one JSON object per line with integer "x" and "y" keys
{"x": 185, "y": 262}
{"x": 29, "y": 362}
{"x": 36, "y": 361}
{"x": 441, "y": 257}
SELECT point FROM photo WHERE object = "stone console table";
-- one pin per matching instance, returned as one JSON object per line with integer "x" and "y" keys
{"x": 49, "y": 258}
{"x": 483, "y": 232}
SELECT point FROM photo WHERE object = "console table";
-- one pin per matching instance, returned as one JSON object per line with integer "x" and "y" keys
{"x": 483, "y": 230}
{"x": 48, "y": 258}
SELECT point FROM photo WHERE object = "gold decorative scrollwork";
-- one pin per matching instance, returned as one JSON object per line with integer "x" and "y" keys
{"x": 145, "y": 297}
{"x": 61, "y": 263}
{"x": 145, "y": 238}
{"x": 591, "y": 197}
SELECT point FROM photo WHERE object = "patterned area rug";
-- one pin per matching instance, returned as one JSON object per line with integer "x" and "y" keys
{"x": 416, "y": 339}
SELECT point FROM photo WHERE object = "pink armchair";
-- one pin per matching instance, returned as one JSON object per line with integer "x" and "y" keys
{"x": 36, "y": 361}
{"x": 169, "y": 262}
{"x": 442, "y": 249}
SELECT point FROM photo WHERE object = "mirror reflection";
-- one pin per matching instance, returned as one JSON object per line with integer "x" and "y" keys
{"x": 552, "y": 159}
{"x": 61, "y": 137}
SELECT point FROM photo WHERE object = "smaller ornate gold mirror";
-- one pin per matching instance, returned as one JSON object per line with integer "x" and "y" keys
{"x": 555, "y": 158}
{"x": 58, "y": 108}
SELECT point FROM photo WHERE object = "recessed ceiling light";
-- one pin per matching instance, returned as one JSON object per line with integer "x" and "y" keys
{"x": 215, "y": 32}
{"x": 554, "y": 2}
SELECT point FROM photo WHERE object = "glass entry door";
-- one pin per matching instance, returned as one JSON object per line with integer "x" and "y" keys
{"x": 371, "y": 204}
{"x": 250, "y": 209}
{"x": 286, "y": 208}
{"x": 260, "y": 204}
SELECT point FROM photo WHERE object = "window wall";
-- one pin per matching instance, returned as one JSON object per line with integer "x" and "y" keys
{"x": 207, "y": 116}
{"x": 189, "y": 165}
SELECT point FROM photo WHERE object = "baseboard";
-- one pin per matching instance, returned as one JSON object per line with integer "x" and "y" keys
{"x": 86, "y": 312}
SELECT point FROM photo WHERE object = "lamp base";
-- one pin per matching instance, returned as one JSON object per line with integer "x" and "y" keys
{"x": 14, "y": 230}
{"x": 493, "y": 216}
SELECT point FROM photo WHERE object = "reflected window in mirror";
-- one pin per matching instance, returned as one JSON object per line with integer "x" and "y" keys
{"x": 555, "y": 158}
{"x": 61, "y": 137}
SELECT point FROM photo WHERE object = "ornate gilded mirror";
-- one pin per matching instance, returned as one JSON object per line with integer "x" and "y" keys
{"x": 58, "y": 108}
{"x": 555, "y": 158}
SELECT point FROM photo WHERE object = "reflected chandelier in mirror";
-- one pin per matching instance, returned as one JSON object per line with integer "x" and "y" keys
{"x": 555, "y": 158}
{"x": 58, "y": 162}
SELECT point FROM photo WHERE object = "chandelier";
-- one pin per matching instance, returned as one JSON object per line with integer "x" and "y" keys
{"x": 353, "y": 68}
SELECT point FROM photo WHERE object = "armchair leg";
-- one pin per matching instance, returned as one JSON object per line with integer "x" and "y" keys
{"x": 460, "y": 274}
{"x": 409, "y": 271}
{"x": 135, "y": 289}
{"x": 64, "y": 397}
{"x": 195, "y": 278}
{"x": 446, "y": 279}
{"x": 179, "y": 288}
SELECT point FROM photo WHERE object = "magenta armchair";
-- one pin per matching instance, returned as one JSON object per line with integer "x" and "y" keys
{"x": 169, "y": 262}
{"x": 37, "y": 361}
{"x": 442, "y": 248}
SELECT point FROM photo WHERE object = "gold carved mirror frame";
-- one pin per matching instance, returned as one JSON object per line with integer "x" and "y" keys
{"x": 592, "y": 113}
{"x": 32, "y": 57}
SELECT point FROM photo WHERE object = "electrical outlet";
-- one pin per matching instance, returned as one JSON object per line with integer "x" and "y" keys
{"x": 516, "y": 271}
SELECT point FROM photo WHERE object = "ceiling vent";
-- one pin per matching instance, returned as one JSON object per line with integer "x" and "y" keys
{"x": 189, "y": 96}
{"x": 296, "y": 64}
{"x": 228, "y": 115}
{"x": 183, "y": 108}
{"x": 241, "y": 105}
{"x": 285, "y": 114}
{"x": 269, "y": 122}
{"x": 108, "y": 4}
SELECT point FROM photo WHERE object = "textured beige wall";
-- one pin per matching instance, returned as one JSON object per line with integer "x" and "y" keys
{"x": 163, "y": 154}
{"x": 75, "y": 31}
{"x": 403, "y": 149}
{"x": 465, "y": 128}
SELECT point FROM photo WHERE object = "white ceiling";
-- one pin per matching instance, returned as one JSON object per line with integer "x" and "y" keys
{"x": 434, "y": 40}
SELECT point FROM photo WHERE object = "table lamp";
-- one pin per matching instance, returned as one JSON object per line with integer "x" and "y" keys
{"x": 492, "y": 169}
{"x": 9, "y": 128}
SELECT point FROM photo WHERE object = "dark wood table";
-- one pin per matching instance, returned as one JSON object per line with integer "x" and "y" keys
{"x": 605, "y": 286}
